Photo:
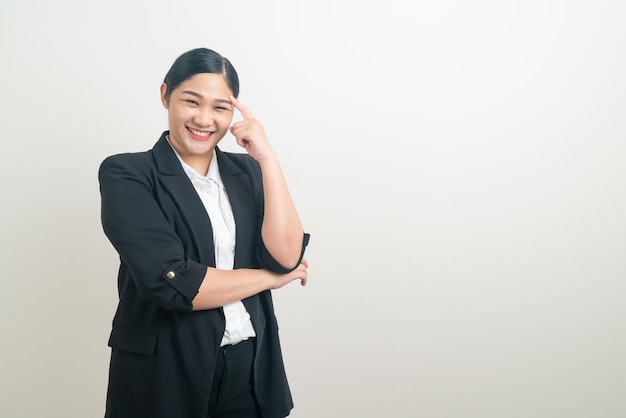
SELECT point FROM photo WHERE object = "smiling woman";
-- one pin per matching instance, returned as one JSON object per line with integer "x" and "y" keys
{"x": 203, "y": 237}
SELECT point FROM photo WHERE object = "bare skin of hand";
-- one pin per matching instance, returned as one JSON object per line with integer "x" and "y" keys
{"x": 300, "y": 273}
{"x": 249, "y": 133}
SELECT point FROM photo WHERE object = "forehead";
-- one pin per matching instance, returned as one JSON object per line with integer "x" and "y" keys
{"x": 206, "y": 85}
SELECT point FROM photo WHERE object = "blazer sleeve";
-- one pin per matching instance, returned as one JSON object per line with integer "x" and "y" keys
{"x": 265, "y": 258}
{"x": 270, "y": 262}
{"x": 134, "y": 222}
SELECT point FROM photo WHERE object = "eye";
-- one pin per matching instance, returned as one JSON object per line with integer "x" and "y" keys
{"x": 193, "y": 102}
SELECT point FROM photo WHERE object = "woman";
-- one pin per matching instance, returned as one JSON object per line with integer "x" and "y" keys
{"x": 203, "y": 237}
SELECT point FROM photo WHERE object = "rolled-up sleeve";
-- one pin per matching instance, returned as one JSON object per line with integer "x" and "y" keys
{"x": 270, "y": 262}
{"x": 145, "y": 240}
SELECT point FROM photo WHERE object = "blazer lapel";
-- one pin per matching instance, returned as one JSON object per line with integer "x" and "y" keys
{"x": 240, "y": 195}
{"x": 174, "y": 179}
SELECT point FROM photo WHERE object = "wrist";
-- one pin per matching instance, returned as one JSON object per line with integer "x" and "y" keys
{"x": 268, "y": 159}
{"x": 267, "y": 278}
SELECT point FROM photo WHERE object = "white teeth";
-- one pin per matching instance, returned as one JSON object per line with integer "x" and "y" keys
{"x": 199, "y": 133}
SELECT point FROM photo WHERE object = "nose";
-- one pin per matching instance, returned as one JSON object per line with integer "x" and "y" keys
{"x": 204, "y": 117}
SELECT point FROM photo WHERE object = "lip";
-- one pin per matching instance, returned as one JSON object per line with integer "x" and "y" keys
{"x": 198, "y": 137}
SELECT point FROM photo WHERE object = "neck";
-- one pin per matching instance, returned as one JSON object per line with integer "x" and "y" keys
{"x": 200, "y": 163}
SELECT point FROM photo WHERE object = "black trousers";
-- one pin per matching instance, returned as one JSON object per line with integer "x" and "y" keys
{"x": 232, "y": 393}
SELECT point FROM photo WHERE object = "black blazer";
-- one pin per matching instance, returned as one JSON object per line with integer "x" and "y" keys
{"x": 163, "y": 354}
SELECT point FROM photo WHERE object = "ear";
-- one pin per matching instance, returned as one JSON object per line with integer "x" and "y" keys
{"x": 164, "y": 100}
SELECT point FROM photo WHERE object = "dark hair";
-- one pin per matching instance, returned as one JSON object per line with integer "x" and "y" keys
{"x": 200, "y": 60}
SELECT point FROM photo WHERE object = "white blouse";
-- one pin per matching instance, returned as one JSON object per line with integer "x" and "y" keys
{"x": 213, "y": 194}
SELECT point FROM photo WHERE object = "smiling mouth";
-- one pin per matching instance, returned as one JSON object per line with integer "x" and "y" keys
{"x": 204, "y": 134}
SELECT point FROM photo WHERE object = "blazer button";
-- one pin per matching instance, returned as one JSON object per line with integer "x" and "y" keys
{"x": 170, "y": 275}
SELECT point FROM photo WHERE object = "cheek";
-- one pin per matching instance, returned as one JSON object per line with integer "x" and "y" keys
{"x": 226, "y": 120}
{"x": 179, "y": 116}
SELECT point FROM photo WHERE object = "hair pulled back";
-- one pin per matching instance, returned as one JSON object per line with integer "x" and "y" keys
{"x": 200, "y": 60}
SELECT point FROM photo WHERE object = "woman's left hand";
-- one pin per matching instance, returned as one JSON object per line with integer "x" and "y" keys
{"x": 249, "y": 133}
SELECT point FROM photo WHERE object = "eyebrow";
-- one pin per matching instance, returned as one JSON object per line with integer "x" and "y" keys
{"x": 199, "y": 96}
{"x": 193, "y": 93}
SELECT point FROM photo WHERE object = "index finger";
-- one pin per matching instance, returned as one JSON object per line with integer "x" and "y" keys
{"x": 245, "y": 112}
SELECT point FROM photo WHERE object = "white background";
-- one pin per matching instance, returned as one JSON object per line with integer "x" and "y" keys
{"x": 459, "y": 164}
